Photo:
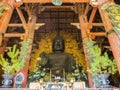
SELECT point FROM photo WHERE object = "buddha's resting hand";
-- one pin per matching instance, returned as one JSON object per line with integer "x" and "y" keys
{"x": 44, "y": 58}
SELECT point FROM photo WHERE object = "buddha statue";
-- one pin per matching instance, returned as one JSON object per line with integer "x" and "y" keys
{"x": 58, "y": 60}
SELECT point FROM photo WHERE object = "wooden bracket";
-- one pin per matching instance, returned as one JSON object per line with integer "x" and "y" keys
{"x": 28, "y": 10}
{"x": 23, "y": 21}
{"x": 86, "y": 9}
{"x": 94, "y": 34}
{"x": 21, "y": 25}
{"x": 76, "y": 25}
{"x": 95, "y": 7}
{"x": 93, "y": 24}
{"x": 22, "y": 18}
{"x": 18, "y": 3}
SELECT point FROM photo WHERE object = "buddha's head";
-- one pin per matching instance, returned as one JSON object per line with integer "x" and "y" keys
{"x": 58, "y": 44}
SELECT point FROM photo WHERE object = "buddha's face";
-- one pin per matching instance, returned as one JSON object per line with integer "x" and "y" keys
{"x": 58, "y": 45}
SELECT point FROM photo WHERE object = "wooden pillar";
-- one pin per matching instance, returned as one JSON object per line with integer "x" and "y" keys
{"x": 5, "y": 18}
{"x": 31, "y": 27}
{"x": 83, "y": 26}
{"x": 3, "y": 46}
{"x": 113, "y": 38}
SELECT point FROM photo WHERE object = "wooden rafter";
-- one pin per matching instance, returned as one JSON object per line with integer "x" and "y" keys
{"x": 95, "y": 7}
{"x": 86, "y": 9}
{"x": 24, "y": 23}
{"x": 28, "y": 10}
{"x": 22, "y": 17}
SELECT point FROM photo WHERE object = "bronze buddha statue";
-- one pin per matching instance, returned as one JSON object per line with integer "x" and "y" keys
{"x": 58, "y": 59}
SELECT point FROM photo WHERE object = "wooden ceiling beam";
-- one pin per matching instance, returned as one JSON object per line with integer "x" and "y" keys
{"x": 52, "y": 7}
{"x": 15, "y": 25}
{"x": 14, "y": 35}
{"x": 98, "y": 33}
{"x": 21, "y": 25}
{"x": 49, "y": 1}
{"x": 93, "y": 24}
{"x": 97, "y": 24}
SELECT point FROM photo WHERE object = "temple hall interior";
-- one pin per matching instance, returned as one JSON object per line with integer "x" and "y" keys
{"x": 60, "y": 44}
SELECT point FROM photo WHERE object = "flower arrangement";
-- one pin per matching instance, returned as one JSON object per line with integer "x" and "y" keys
{"x": 37, "y": 74}
{"x": 78, "y": 73}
